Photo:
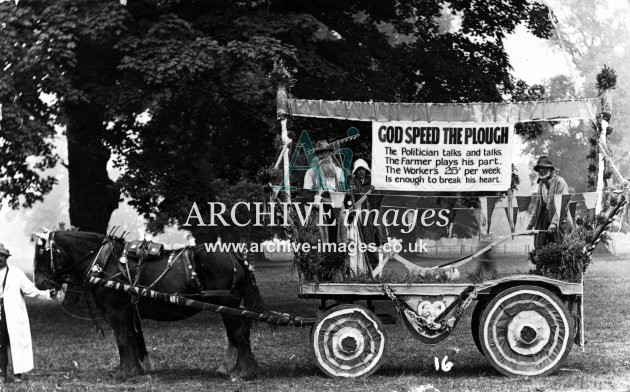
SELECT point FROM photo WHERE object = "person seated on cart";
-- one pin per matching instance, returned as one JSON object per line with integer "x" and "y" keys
{"x": 324, "y": 179}
{"x": 360, "y": 184}
{"x": 545, "y": 216}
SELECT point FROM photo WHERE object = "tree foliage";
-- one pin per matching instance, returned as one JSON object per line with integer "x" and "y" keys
{"x": 202, "y": 71}
{"x": 594, "y": 34}
{"x": 566, "y": 144}
{"x": 180, "y": 92}
{"x": 60, "y": 69}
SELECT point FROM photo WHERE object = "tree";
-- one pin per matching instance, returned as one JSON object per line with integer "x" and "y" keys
{"x": 352, "y": 50}
{"x": 197, "y": 72}
{"x": 567, "y": 144}
{"x": 593, "y": 34}
{"x": 65, "y": 50}
{"x": 589, "y": 33}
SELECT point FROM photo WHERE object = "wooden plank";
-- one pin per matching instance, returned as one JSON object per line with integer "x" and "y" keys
{"x": 565, "y": 288}
{"x": 320, "y": 290}
{"x": 376, "y": 289}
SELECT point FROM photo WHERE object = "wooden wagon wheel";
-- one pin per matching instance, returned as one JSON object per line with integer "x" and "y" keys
{"x": 349, "y": 341}
{"x": 526, "y": 331}
{"x": 475, "y": 323}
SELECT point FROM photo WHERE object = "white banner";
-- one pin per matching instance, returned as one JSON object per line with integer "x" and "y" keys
{"x": 442, "y": 156}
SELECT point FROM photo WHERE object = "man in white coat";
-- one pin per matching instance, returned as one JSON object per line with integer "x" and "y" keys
{"x": 14, "y": 326}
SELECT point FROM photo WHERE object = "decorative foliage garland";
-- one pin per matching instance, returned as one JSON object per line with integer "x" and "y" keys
{"x": 593, "y": 157}
{"x": 313, "y": 266}
{"x": 569, "y": 259}
{"x": 606, "y": 80}
{"x": 281, "y": 74}
{"x": 564, "y": 261}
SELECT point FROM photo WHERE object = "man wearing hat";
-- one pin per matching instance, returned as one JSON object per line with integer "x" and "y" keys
{"x": 328, "y": 177}
{"x": 545, "y": 216}
{"x": 14, "y": 326}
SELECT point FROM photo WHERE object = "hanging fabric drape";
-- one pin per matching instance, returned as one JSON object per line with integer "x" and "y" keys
{"x": 523, "y": 202}
{"x": 514, "y": 216}
{"x": 561, "y": 203}
{"x": 590, "y": 199}
{"x": 469, "y": 112}
{"x": 487, "y": 208}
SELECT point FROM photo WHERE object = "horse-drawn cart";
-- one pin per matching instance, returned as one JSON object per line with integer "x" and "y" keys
{"x": 532, "y": 312}
{"x": 514, "y": 320}
{"x": 523, "y": 324}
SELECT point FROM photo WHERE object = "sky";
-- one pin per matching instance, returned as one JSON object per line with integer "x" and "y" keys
{"x": 533, "y": 60}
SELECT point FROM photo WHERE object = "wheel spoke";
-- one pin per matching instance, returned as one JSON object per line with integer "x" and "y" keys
{"x": 525, "y": 330}
{"x": 349, "y": 341}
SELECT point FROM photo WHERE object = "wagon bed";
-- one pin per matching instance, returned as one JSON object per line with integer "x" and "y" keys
{"x": 361, "y": 291}
{"x": 349, "y": 339}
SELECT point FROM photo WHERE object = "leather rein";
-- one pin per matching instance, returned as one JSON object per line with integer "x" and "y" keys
{"x": 50, "y": 279}
{"x": 55, "y": 274}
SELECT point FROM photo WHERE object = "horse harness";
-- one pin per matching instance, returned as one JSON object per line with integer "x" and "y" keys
{"x": 138, "y": 253}
{"x": 141, "y": 252}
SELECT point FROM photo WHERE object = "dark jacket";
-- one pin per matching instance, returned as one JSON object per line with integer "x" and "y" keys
{"x": 359, "y": 188}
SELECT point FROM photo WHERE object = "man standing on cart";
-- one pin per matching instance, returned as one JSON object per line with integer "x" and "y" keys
{"x": 325, "y": 179}
{"x": 546, "y": 216}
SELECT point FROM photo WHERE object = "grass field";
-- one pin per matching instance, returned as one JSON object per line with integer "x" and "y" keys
{"x": 71, "y": 356}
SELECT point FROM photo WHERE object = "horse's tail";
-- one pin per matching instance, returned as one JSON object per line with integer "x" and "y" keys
{"x": 252, "y": 300}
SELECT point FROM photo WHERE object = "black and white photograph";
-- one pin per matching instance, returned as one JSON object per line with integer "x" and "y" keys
{"x": 294, "y": 195}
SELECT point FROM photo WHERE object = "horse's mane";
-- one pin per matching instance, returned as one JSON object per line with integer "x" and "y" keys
{"x": 84, "y": 235}
{"x": 77, "y": 241}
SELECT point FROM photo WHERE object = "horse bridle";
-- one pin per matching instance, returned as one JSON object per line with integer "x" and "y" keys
{"x": 50, "y": 244}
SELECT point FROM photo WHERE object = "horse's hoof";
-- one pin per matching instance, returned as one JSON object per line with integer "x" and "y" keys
{"x": 223, "y": 371}
{"x": 125, "y": 374}
{"x": 248, "y": 374}
{"x": 119, "y": 377}
{"x": 147, "y": 364}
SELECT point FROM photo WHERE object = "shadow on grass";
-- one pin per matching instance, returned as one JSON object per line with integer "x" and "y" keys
{"x": 177, "y": 375}
{"x": 460, "y": 371}
{"x": 166, "y": 375}
{"x": 211, "y": 375}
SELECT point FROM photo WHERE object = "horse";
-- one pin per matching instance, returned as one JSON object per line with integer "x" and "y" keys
{"x": 68, "y": 256}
